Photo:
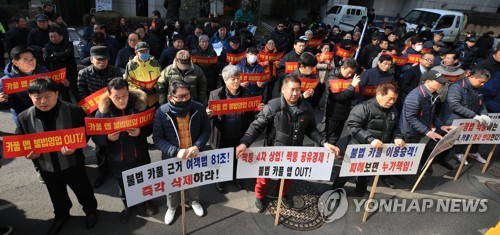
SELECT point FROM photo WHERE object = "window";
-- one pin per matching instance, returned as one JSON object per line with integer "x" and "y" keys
{"x": 457, "y": 24}
{"x": 445, "y": 22}
{"x": 334, "y": 10}
{"x": 421, "y": 17}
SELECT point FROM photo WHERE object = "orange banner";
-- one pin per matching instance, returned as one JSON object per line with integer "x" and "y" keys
{"x": 414, "y": 58}
{"x": 144, "y": 85}
{"x": 44, "y": 142}
{"x": 18, "y": 84}
{"x": 322, "y": 57}
{"x": 235, "y": 58}
{"x": 255, "y": 77}
{"x": 265, "y": 56}
{"x": 369, "y": 91}
{"x": 397, "y": 60}
{"x": 91, "y": 102}
{"x": 345, "y": 53}
{"x": 338, "y": 85}
{"x": 307, "y": 83}
{"x": 452, "y": 78}
{"x": 290, "y": 67}
{"x": 103, "y": 126}
{"x": 426, "y": 50}
{"x": 314, "y": 42}
{"x": 220, "y": 107}
{"x": 204, "y": 60}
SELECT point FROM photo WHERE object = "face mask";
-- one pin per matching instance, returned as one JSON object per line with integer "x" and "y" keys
{"x": 418, "y": 48}
{"x": 144, "y": 56}
{"x": 251, "y": 59}
{"x": 181, "y": 104}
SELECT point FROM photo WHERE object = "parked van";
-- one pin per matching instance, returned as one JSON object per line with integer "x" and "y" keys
{"x": 450, "y": 23}
{"x": 345, "y": 16}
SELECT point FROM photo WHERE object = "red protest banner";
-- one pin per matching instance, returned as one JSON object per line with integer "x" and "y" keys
{"x": 235, "y": 58}
{"x": 102, "y": 126}
{"x": 314, "y": 42}
{"x": 266, "y": 56}
{"x": 90, "y": 103}
{"x": 397, "y": 60}
{"x": 239, "y": 105}
{"x": 369, "y": 91}
{"x": 307, "y": 83}
{"x": 204, "y": 60}
{"x": 255, "y": 77}
{"x": 324, "y": 57}
{"x": 426, "y": 50}
{"x": 18, "y": 84}
{"x": 45, "y": 142}
{"x": 290, "y": 67}
{"x": 144, "y": 84}
{"x": 345, "y": 53}
{"x": 414, "y": 58}
{"x": 338, "y": 85}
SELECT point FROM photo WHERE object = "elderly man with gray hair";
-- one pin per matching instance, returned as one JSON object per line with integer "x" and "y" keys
{"x": 204, "y": 51}
{"x": 228, "y": 129}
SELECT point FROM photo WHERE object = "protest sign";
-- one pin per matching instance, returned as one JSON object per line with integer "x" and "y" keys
{"x": 307, "y": 163}
{"x": 325, "y": 56}
{"x": 338, "y": 85}
{"x": 307, "y": 83}
{"x": 473, "y": 133}
{"x": 255, "y": 77}
{"x": 91, "y": 103}
{"x": 202, "y": 60}
{"x": 266, "y": 56}
{"x": 290, "y": 67}
{"x": 365, "y": 160}
{"x": 235, "y": 58}
{"x": 44, "y": 142}
{"x": 102, "y": 126}
{"x": 18, "y": 84}
{"x": 238, "y": 105}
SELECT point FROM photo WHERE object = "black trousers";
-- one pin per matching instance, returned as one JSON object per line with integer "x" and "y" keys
{"x": 76, "y": 178}
{"x": 101, "y": 154}
{"x": 332, "y": 129}
{"x": 231, "y": 143}
{"x": 121, "y": 190}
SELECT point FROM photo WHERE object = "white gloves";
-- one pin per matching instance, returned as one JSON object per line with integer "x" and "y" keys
{"x": 486, "y": 119}
{"x": 480, "y": 120}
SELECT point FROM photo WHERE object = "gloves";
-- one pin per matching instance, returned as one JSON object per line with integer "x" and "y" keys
{"x": 480, "y": 120}
{"x": 486, "y": 119}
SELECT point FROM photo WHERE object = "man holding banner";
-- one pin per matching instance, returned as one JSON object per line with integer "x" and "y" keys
{"x": 227, "y": 129}
{"x": 373, "y": 122}
{"x": 289, "y": 119}
{"x": 291, "y": 57}
{"x": 127, "y": 149}
{"x": 65, "y": 167}
{"x": 373, "y": 77}
{"x": 181, "y": 129}
{"x": 249, "y": 65}
{"x": 308, "y": 80}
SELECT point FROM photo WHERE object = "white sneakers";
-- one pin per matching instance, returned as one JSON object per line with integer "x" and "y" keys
{"x": 170, "y": 214}
{"x": 475, "y": 156}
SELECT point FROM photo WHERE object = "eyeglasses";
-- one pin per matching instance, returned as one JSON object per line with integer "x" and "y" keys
{"x": 182, "y": 97}
{"x": 428, "y": 60}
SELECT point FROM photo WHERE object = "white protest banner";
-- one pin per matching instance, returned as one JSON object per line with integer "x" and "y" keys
{"x": 144, "y": 183}
{"x": 364, "y": 160}
{"x": 218, "y": 48}
{"x": 307, "y": 163}
{"x": 209, "y": 167}
{"x": 473, "y": 133}
{"x": 103, "y": 5}
{"x": 445, "y": 143}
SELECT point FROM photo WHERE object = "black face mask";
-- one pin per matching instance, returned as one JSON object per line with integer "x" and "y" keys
{"x": 181, "y": 105}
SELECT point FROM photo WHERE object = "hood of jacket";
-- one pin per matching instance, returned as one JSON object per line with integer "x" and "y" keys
{"x": 136, "y": 96}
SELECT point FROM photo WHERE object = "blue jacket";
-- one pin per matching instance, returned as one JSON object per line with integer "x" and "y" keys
{"x": 18, "y": 101}
{"x": 216, "y": 39}
{"x": 373, "y": 77}
{"x": 252, "y": 88}
{"x": 418, "y": 114}
{"x": 491, "y": 93}
{"x": 165, "y": 133}
{"x": 462, "y": 101}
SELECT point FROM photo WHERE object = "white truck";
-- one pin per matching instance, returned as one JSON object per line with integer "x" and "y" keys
{"x": 345, "y": 16}
{"x": 450, "y": 23}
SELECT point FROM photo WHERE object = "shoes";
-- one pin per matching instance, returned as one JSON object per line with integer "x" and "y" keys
{"x": 90, "y": 220}
{"x": 169, "y": 215}
{"x": 287, "y": 201}
{"x": 40, "y": 178}
{"x": 220, "y": 187}
{"x": 477, "y": 157}
{"x": 57, "y": 224}
{"x": 459, "y": 158}
{"x": 99, "y": 181}
{"x": 430, "y": 170}
{"x": 259, "y": 205}
{"x": 5, "y": 230}
{"x": 151, "y": 208}
{"x": 197, "y": 208}
{"x": 124, "y": 216}
{"x": 445, "y": 164}
{"x": 239, "y": 184}
{"x": 387, "y": 181}
{"x": 359, "y": 192}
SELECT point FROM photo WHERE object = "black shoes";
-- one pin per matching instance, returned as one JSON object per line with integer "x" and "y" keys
{"x": 239, "y": 184}
{"x": 259, "y": 205}
{"x": 287, "y": 201}
{"x": 90, "y": 220}
{"x": 5, "y": 230}
{"x": 99, "y": 181}
{"x": 57, "y": 224}
{"x": 387, "y": 181}
{"x": 151, "y": 208}
{"x": 125, "y": 216}
{"x": 220, "y": 187}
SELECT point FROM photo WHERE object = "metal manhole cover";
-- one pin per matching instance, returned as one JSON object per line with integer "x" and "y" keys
{"x": 494, "y": 170}
{"x": 493, "y": 186}
{"x": 304, "y": 216}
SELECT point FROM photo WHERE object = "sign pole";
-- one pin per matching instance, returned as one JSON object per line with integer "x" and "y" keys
{"x": 489, "y": 158}
{"x": 183, "y": 208}
{"x": 278, "y": 208}
{"x": 370, "y": 199}
{"x": 422, "y": 174}
{"x": 463, "y": 162}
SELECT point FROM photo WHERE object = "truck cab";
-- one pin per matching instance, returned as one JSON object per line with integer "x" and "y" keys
{"x": 345, "y": 16}
{"x": 450, "y": 23}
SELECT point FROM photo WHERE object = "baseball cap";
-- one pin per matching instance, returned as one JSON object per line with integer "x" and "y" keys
{"x": 471, "y": 39}
{"x": 434, "y": 75}
{"x": 141, "y": 46}
{"x": 42, "y": 17}
{"x": 99, "y": 52}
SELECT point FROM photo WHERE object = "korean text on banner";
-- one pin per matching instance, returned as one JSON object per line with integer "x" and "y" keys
{"x": 102, "y": 126}
{"x": 307, "y": 163}
{"x": 364, "y": 160}
{"x": 473, "y": 133}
